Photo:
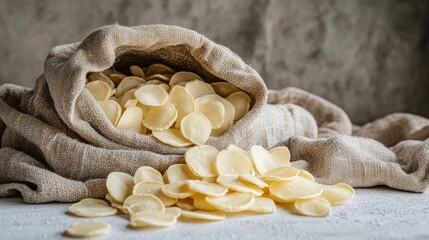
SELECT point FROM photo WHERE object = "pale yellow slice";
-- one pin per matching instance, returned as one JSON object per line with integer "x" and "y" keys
{"x": 112, "y": 110}
{"x": 241, "y": 102}
{"x": 234, "y": 183}
{"x": 131, "y": 120}
{"x": 201, "y": 160}
{"x": 155, "y": 188}
{"x": 177, "y": 190}
{"x": 263, "y": 205}
{"x": 172, "y": 137}
{"x": 90, "y": 207}
{"x": 337, "y": 194}
{"x": 99, "y": 90}
{"x": 232, "y": 202}
{"x": 119, "y": 185}
{"x": 202, "y": 215}
{"x": 315, "y": 207}
{"x": 151, "y": 95}
{"x": 198, "y": 88}
{"x": 208, "y": 189}
{"x": 147, "y": 174}
{"x": 232, "y": 162}
{"x": 297, "y": 189}
{"x": 160, "y": 118}
{"x": 214, "y": 111}
{"x": 88, "y": 229}
{"x": 196, "y": 127}
{"x": 152, "y": 218}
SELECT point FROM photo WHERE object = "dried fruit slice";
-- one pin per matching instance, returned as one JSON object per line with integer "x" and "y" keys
{"x": 202, "y": 215}
{"x": 115, "y": 204}
{"x": 232, "y": 162}
{"x": 117, "y": 77}
{"x": 152, "y": 218}
{"x": 174, "y": 210}
{"x": 112, "y": 110}
{"x": 129, "y": 95}
{"x": 143, "y": 202}
{"x": 182, "y": 101}
{"x": 241, "y": 102}
{"x": 263, "y": 205}
{"x": 127, "y": 84}
{"x": 305, "y": 174}
{"x": 198, "y": 88}
{"x": 264, "y": 161}
{"x": 201, "y": 203}
{"x": 232, "y": 202}
{"x": 159, "y": 77}
{"x": 183, "y": 77}
{"x": 172, "y": 137}
{"x": 234, "y": 183}
{"x": 155, "y": 188}
{"x": 281, "y": 174}
{"x": 337, "y": 194}
{"x": 296, "y": 189}
{"x": 147, "y": 174}
{"x": 99, "y": 90}
{"x": 90, "y": 207}
{"x": 119, "y": 185}
{"x": 209, "y": 189}
{"x": 214, "y": 111}
{"x": 186, "y": 204}
{"x": 177, "y": 190}
{"x": 281, "y": 156}
{"x": 102, "y": 77}
{"x": 87, "y": 229}
{"x": 201, "y": 160}
{"x": 151, "y": 95}
{"x": 229, "y": 112}
{"x": 137, "y": 71}
{"x": 224, "y": 89}
{"x": 196, "y": 128}
{"x": 158, "y": 68}
{"x": 131, "y": 120}
{"x": 179, "y": 172}
{"x": 253, "y": 180}
{"x": 316, "y": 207}
{"x": 160, "y": 118}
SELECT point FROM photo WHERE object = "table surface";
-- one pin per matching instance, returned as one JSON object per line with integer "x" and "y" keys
{"x": 375, "y": 213}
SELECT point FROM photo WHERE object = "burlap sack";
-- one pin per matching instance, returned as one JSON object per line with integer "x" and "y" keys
{"x": 57, "y": 145}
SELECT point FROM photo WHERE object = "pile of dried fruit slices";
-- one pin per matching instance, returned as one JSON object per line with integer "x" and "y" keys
{"x": 210, "y": 184}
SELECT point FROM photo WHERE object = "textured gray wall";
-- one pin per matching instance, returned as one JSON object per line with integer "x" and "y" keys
{"x": 367, "y": 56}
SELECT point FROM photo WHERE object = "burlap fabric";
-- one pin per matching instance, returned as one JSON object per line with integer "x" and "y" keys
{"x": 56, "y": 144}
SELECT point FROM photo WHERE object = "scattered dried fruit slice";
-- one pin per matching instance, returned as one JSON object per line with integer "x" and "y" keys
{"x": 177, "y": 190}
{"x": 232, "y": 202}
{"x": 155, "y": 188}
{"x": 232, "y": 162}
{"x": 281, "y": 174}
{"x": 337, "y": 194}
{"x": 90, "y": 207}
{"x": 160, "y": 118}
{"x": 99, "y": 90}
{"x": 119, "y": 185}
{"x": 131, "y": 120}
{"x": 202, "y": 215}
{"x": 112, "y": 110}
{"x": 224, "y": 89}
{"x": 172, "y": 137}
{"x": 196, "y": 127}
{"x": 147, "y": 174}
{"x": 143, "y": 202}
{"x": 201, "y": 160}
{"x": 316, "y": 207}
{"x": 198, "y": 88}
{"x": 179, "y": 172}
{"x": 263, "y": 205}
{"x": 151, "y": 95}
{"x": 152, "y": 218}
{"x": 249, "y": 178}
{"x": 234, "y": 183}
{"x": 214, "y": 111}
{"x": 297, "y": 189}
{"x": 241, "y": 102}
{"x": 87, "y": 229}
{"x": 208, "y": 189}
{"x": 183, "y": 77}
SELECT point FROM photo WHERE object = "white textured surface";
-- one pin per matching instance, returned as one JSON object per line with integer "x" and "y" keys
{"x": 377, "y": 213}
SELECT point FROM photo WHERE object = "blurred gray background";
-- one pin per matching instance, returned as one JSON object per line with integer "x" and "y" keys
{"x": 370, "y": 57}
